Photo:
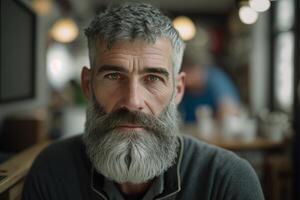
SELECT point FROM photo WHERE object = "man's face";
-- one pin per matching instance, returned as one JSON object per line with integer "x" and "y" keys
{"x": 131, "y": 122}
{"x": 135, "y": 75}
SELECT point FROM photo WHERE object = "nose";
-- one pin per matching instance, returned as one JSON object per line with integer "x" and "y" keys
{"x": 133, "y": 97}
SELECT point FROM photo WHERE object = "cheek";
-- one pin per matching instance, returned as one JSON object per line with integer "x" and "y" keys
{"x": 107, "y": 95}
{"x": 158, "y": 98}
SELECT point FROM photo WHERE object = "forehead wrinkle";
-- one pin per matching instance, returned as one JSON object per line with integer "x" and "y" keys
{"x": 161, "y": 60}
{"x": 132, "y": 46}
{"x": 141, "y": 53}
{"x": 113, "y": 54}
{"x": 117, "y": 59}
{"x": 116, "y": 62}
{"x": 148, "y": 55}
{"x": 135, "y": 63}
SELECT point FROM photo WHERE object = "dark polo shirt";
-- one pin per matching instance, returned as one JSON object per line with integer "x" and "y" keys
{"x": 63, "y": 172}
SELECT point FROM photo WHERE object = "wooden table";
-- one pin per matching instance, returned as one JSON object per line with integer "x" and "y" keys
{"x": 15, "y": 171}
{"x": 258, "y": 143}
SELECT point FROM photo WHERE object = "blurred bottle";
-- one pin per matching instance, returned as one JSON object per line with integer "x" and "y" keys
{"x": 238, "y": 127}
{"x": 205, "y": 121}
{"x": 273, "y": 125}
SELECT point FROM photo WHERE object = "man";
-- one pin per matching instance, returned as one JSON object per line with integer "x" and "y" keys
{"x": 207, "y": 85}
{"x": 132, "y": 148}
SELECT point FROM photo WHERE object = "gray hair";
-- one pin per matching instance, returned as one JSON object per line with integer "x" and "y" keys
{"x": 130, "y": 21}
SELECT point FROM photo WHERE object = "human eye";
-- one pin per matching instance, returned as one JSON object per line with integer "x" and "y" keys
{"x": 113, "y": 76}
{"x": 153, "y": 78}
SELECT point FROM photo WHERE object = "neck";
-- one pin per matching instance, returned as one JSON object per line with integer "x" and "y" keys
{"x": 130, "y": 188}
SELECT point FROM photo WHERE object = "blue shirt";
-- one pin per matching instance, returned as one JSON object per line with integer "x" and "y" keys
{"x": 218, "y": 86}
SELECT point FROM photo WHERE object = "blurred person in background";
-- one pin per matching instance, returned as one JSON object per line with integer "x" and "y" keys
{"x": 132, "y": 147}
{"x": 206, "y": 85}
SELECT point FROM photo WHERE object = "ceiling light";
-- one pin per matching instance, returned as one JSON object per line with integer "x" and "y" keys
{"x": 248, "y": 15}
{"x": 64, "y": 30}
{"x": 42, "y": 7}
{"x": 185, "y": 27}
{"x": 260, "y": 5}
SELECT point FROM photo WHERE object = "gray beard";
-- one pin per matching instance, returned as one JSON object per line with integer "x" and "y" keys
{"x": 131, "y": 156}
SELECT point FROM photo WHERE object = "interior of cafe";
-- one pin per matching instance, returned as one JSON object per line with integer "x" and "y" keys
{"x": 242, "y": 62}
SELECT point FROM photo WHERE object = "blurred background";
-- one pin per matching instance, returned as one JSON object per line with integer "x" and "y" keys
{"x": 242, "y": 94}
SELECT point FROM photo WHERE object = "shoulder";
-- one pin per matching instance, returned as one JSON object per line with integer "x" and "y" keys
{"x": 62, "y": 147}
{"x": 214, "y": 72}
{"x": 221, "y": 83}
{"x": 201, "y": 155}
{"x": 58, "y": 154}
{"x": 199, "y": 150}
{"x": 217, "y": 76}
{"x": 220, "y": 170}
{"x": 58, "y": 171}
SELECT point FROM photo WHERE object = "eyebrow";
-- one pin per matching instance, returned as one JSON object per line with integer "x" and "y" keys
{"x": 105, "y": 68}
{"x": 156, "y": 70}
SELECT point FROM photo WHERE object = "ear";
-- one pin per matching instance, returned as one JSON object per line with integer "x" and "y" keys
{"x": 180, "y": 86}
{"x": 86, "y": 82}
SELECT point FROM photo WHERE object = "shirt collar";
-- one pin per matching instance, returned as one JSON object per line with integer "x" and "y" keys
{"x": 172, "y": 176}
{"x": 169, "y": 183}
{"x": 113, "y": 192}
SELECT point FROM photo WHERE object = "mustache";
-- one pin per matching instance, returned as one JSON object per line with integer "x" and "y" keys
{"x": 136, "y": 156}
{"x": 125, "y": 116}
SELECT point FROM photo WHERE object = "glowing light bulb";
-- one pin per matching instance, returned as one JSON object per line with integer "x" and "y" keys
{"x": 260, "y": 5}
{"x": 64, "y": 30}
{"x": 185, "y": 27}
{"x": 248, "y": 15}
{"x": 42, "y": 7}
